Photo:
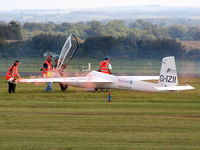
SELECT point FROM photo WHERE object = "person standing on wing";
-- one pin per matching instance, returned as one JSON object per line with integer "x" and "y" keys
{"x": 46, "y": 70}
{"x": 12, "y": 75}
{"x": 105, "y": 66}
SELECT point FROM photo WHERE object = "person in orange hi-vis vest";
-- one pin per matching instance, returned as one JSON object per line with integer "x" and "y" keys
{"x": 46, "y": 70}
{"x": 105, "y": 66}
{"x": 11, "y": 76}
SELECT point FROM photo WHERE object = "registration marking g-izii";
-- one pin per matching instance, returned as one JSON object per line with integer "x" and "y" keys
{"x": 169, "y": 79}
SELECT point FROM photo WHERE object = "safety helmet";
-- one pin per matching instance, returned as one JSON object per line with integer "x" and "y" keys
{"x": 106, "y": 58}
{"x": 17, "y": 61}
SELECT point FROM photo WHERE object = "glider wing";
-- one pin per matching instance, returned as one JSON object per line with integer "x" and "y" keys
{"x": 66, "y": 80}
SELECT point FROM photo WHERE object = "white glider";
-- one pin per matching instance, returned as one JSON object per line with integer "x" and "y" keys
{"x": 167, "y": 81}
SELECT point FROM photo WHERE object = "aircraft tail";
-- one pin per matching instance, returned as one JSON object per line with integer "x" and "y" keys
{"x": 168, "y": 74}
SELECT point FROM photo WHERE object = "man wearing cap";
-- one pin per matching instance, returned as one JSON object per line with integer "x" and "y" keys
{"x": 105, "y": 66}
{"x": 11, "y": 75}
{"x": 47, "y": 67}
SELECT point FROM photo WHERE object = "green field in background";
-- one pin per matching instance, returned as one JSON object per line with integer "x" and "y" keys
{"x": 32, "y": 119}
{"x": 120, "y": 66}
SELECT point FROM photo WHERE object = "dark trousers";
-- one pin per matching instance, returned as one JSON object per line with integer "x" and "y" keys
{"x": 63, "y": 87}
{"x": 11, "y": 87}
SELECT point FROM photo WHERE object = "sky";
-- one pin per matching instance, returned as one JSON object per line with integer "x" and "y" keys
{"x": 68, "y": 4}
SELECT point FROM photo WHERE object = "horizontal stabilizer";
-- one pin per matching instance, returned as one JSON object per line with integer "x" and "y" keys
{"x": 174, "y": 88}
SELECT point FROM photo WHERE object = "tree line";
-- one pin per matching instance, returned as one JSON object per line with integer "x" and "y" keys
{"x": 116, "y": 28}
{"x": 139, "y": 39}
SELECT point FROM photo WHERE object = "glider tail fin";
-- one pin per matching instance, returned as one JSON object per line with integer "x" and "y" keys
{"x": 168, "y": 74}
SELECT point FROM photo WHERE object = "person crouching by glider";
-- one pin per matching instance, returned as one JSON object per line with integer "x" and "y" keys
{"x": 12, "y": 75}
{"x": 105, "y": 66}
{"x": 46, "y": 71}
{"x": 63, "y": 86}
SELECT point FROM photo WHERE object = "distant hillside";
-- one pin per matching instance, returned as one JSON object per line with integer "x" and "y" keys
{"x": 191, "y": 44}
{"x": 101, "y": 14}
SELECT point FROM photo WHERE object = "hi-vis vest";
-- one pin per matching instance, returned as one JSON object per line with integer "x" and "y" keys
{"x": 104, "y": 67}
{"x": 12, "y": 72}
{"x": 46, "y": 70}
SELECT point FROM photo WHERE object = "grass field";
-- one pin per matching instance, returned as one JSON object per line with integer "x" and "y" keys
{"x": 120, "y": 66}
{"x": 32, "y": 119}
